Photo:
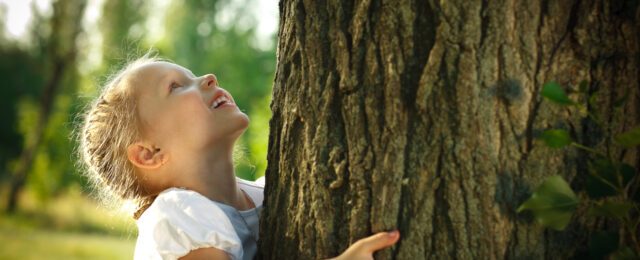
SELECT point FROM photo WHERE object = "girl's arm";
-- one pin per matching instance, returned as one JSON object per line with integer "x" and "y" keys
{"x": 361, "y": 249}
{"x": 206, "y": 253}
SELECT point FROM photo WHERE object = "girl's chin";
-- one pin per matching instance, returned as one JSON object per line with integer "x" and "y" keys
{"x": 228, "y": 131}
{"x": 243, "y": 121}
{"x": 239, "y": 127}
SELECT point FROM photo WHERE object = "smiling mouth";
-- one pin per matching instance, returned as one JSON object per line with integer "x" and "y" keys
{"x": 222, "y": 100}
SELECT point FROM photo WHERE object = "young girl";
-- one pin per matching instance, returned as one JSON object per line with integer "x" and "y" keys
{"x": 163, "y": 138}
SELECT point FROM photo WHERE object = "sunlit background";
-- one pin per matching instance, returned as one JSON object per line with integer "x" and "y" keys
{"x": 53, "y": 57}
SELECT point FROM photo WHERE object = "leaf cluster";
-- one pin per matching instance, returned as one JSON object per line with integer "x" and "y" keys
{"x": 611, "y": 185}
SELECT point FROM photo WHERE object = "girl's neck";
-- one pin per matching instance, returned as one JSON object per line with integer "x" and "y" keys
{"x": 213, "y": 176}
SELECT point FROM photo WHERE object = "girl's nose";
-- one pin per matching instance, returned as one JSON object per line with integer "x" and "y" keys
{"x": 209, "y": 81}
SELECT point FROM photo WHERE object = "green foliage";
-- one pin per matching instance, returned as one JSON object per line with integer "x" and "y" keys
{"x": 554, "y": 92}
{"x": 556, "y": 138}
{"x": 598, "y": 187}
{"x": 70, "y": 211}
{"x": 611, "y": 209}
{"x": 258, "y": 135}
{"x": 22, "y": 79}
{"x": 35, "y": 72}
{"x": 602, "y": 179}
{"x": 608, "y": 182}
{"x": 121, "y": 27}
{"x": 552, "y": 203}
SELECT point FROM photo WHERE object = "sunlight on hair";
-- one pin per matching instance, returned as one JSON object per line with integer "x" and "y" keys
{"x": 128, "y": 206}
{"x": 109, "y": 125}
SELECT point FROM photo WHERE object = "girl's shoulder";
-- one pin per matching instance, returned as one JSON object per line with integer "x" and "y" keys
{"x": 179, "y": 221}
{"x": 174, "y": 201}
{"x": 176, "y": 205}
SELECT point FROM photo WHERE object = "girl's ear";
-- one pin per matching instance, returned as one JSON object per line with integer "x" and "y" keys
{"x": 145, "y": 156}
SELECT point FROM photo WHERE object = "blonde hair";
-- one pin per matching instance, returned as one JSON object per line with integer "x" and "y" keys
{"x": 109, "y": 125}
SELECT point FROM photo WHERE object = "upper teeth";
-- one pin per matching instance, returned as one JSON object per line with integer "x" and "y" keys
{"x": 219, "y": 101}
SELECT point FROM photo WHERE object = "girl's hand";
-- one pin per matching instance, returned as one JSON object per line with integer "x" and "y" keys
{"x": 364, "y": 248}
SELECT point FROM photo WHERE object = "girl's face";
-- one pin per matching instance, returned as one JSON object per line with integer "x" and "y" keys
{"x": 180, "y": 111}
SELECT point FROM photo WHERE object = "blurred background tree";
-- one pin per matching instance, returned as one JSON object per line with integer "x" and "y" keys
{"x": 56, "y": 55}
{"x": 67, "y": 49}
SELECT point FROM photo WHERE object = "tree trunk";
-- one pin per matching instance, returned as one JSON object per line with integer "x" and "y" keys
{"x": 61, "y": 49}
{"x": 423, "y": 116}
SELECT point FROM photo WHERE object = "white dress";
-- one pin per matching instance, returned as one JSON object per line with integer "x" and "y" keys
{"x": 179, "y": 221}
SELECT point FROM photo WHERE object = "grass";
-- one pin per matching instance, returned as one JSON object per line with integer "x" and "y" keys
{"x": 45, "y": 244}
{"x": 70, "y": 226}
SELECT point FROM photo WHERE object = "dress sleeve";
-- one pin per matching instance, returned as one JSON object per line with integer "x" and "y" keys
{"x": 180, "y": 221}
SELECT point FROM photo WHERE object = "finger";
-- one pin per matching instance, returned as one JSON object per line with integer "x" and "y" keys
{"x": 379, "y": 241}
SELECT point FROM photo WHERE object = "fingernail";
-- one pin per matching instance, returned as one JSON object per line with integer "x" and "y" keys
{"x": 393, "y": 234}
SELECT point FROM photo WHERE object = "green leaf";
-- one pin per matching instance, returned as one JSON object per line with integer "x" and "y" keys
{"x": 596, "y": 189}
{"x": 611, "y": 209}
{"x": 552, "y": 204}
{"x": 556, "y": 138}
{"x": 602, "y": 180}
{"x": 554, "y": 92}
{"x": 607, "y": 178}
{"x": 602, "y": 243}
{"x": 630, "y": 138}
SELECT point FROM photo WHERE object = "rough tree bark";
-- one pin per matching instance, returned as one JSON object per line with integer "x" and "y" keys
{"x": 422, "y": 116}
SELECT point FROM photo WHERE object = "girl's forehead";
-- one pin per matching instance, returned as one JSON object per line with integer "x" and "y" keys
{"x": 160, "y": 69}
{"x": 154, "y": 73}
